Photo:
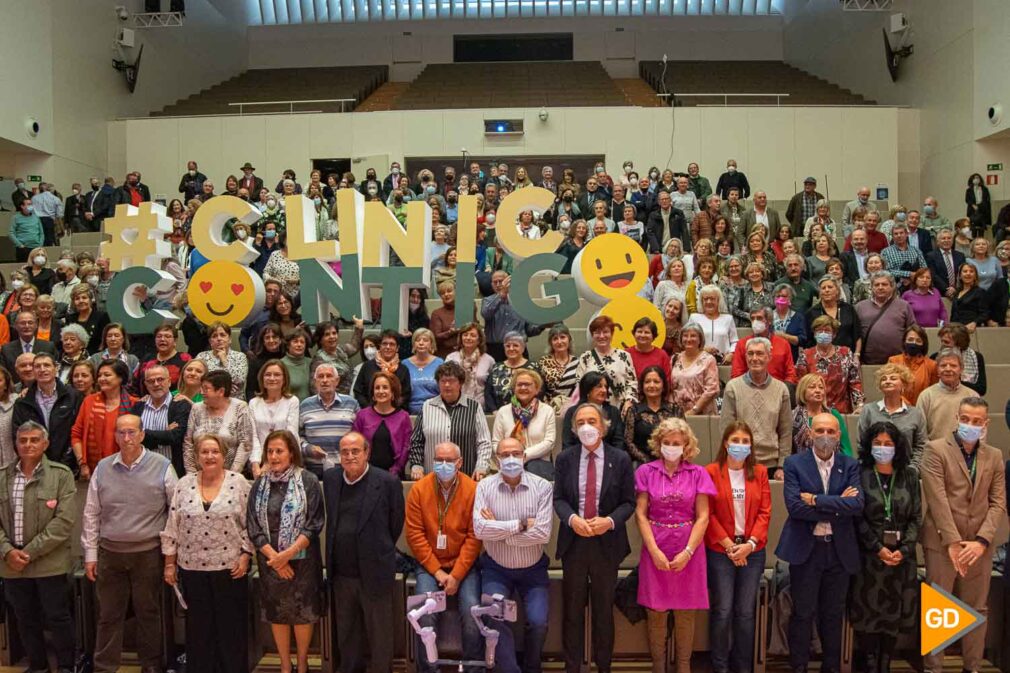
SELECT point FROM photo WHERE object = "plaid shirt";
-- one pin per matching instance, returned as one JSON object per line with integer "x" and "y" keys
{"x": 18, "y": 503}
{"x": 809, "y": 206}
{"x": 901, "y": 263}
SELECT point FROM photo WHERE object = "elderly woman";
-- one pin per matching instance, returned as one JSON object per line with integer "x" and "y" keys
{"x": 222, "y": 415}
{"x": 909, "y": 419}
{"x": 849, "y": 331}
{"x": 48, "y": 326}
{"x": 296, "y": 361}
{"x": 985, "y": 263}
{"x": 498, "y": 388}
{"x": 211, "y": 504}
{"x": 660, "y": 263}
{"x": 732, "y": 281}
{"x": 222, "y": 357}
{"x": 87, "y": 316}
{"x": 757, "y": 293}
{"x": 836, "y": 364}
{"x": 757, "y": 251}
{"x": 116, "y": 346}
{"x": 74, "y": 340}
{"x": 822, "y": 216}
{"x": 811, "y": 399}
{"x": 8, "y": 453}
{"x": 421, "y": 366}
{"x": 824, "y": 250}
{"x": 925, "y": 300}
{"x": 836, "y": 270}
{"x": 654, "y": 407}
{"x": 616, "y": 364}
{"x": 884, "y": 601}
{"x": 93, "y": 435}
{"x": 706, "y": 276}
{"x": 671, "y": 574}
{"x": 273, "y": 408}
{"x": 956, "y": 335}
{"x": 282, "y": 269}
{"x": 529, "y": 420}
{"x": 673, "y": 283}
{"x": 594, "y": 387}
{"x": 385, "y": 425}
{"x": 789, "y": 324}
{"x": 285, "y": 517}
{"x": 913, "y": 358}
{"x": 719, "y": 328}
{"x": 578, "y": 235}
{"x": 471, "y": 355}
{"x": 558, "y": 368}
{"x": 694, "y": 383}
{"x": 81, "y": 377}
{"x": 268, "y": 346}
{"x": 885, "y": 318}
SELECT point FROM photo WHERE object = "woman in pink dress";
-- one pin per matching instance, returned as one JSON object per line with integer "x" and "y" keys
{"x": 672, "y": 514}
{"x": 694, "y": 377}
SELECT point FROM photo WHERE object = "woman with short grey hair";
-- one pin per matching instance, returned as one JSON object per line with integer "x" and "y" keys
{"x": 498, "y": 389}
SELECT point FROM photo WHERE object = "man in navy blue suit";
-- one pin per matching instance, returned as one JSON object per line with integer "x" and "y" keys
{"x": 819, "y": 542}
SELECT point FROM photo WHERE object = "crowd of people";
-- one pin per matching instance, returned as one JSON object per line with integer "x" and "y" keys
{"x": 197, "y": 459}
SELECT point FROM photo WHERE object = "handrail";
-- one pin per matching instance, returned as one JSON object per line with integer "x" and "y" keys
{"x": 726, "y": 96}
{"x": 291, "y": 103}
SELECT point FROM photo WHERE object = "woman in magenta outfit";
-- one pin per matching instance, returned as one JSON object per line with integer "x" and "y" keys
{"x": 672, "y": 515}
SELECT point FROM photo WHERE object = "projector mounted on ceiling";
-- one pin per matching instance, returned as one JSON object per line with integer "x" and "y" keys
{"x": 503, "y": 127}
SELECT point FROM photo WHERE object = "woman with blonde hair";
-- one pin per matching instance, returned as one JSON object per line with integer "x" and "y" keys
{"x": 672, "y": 513}
{"x": 673, "y": 283}
{"x": 892, "y": 379}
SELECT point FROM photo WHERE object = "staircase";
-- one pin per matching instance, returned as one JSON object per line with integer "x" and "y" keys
{"x": 384, "y": 98}
{"x": 638, "y": 92}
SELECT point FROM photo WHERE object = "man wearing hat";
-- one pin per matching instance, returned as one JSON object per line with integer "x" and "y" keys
{"x": 249, "y": 180}
{"x": 803, "y": 205}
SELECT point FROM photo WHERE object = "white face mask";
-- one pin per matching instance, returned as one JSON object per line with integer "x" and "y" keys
{"x": 672, "y": 452}
{"x": 759, "y": 326}
{"x": 588, "y": 435}
{"x": 39, "y": 260}
{"x": 242, "y": 234}
{"x": 192, "y": 174}
{"x": 92, "y": 281}
{"x": 17, "y": 283}
{"x": 370, "y": 352}
{"x": 966, "y": 232}
{"x": 76, "y": 192}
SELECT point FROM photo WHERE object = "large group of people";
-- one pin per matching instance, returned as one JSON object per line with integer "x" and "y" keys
{"x": 200, "y": 460}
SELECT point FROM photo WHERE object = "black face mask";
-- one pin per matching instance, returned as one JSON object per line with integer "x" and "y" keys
{"x": 567, "y": 198}
{"x": 370, "y": 176}
{"x": 914, "y": 350}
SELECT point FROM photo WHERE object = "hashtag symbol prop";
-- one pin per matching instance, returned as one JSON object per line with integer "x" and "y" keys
{"x": 138, "y": 236}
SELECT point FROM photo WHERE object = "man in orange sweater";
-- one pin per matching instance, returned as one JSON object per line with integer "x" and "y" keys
{"x": 440, "y": 534}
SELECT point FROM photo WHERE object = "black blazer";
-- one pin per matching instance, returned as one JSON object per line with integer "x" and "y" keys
{"x": 73, "y": 208}
{"x": 972, "y": 307}
{"x": 983, "y": 216}
{"x": 923, "y": 238}
{"x": 614, "y": 436}
{"x": 938, "y": 270}
{"x": 678, "y": 229}
{"x": 61, "y": 420}
{"x": 617, "y": 499}
{"x": 850, "y": 266}
{"x": 178, "y": 413}
{"x": 10, "y": 351}
{"x": 362, "y": 390}
{"x": 379, "y": 525}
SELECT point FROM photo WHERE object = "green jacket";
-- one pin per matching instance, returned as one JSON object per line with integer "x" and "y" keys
{"x": 49, "y": 513}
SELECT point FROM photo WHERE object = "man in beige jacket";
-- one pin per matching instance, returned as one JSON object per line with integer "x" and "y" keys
{"x": 965, "y": 490}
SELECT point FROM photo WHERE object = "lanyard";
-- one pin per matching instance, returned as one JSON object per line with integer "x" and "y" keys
{"x": 887, "y": 493}
{"x": 448, "y": 501}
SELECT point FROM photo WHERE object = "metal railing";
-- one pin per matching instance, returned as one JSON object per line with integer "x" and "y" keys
{"x": 291, "y": 103}
{"x": 726, "y": 96}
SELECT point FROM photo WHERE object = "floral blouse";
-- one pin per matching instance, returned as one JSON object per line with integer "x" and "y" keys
{"x": 842, "y": 378}
{"x": 748, "y": 300}
{"x": 190, "y": 525}
{"x": 284, "y": 271}
{"x": 498, "y": 388}
{"x": 237, "y": 366}
{"x": 618, "y": 366}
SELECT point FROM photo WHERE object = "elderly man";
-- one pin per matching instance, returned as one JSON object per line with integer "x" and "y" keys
{"x": 512, "y": 515}
{"x": 902, "y": 259}
{"x": 450, "y": 417}
{"x": 963, "y": 482}
{"x": 323, "y": 419}
{"x": 49, "y": 208}
{"x": 940, "y": 402}
{"x": 732, "y": 179}
{"x": 685, "y": 200}
{"x": 862, "y": 200}
{"x": 699, "y": 184}
{"x": 802, "y": 206}
{"x": 24, "y": 372}
{"x": 854, "y": 260}
{"x": 66, "y": 271}
{"x": 365, "y": 519}
{"x": 25, "y": 326}
{"x": 35, "y": 545}
{"x": 191, "y": 182}
{"x": 591, "y": 195}
{"x": 53, "y": 405}
{"x": 703, "y": 224}
{"x": 932, "y": 220}
{"x": 761, "y": 215}
{"x": 126, "y": 510}
{"x": 594, "y": 498}
{"x": 819, "y": 542}
{"x": 441, "y": 539}
{"x": 762, "y": 402}
{"x": 664, "y": 223}
{"x": 804, "y": 291}
{"x": 885, "y": 317}
{"x": 781, "y": 365}
{"x": 917, "y": 236}
{"x": 500, "y": 318}
{"x": 944, "y": 263}
{"x": 164, "y": 419}
{"x": 876, "y": 240}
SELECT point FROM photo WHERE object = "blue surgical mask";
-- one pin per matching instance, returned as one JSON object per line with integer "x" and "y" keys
{"x": 900, "y": 217}
{"x": 883, "y": 454}
{"x": 445, "y": 471}
{"x": 823, "y": 338}
{"x": 738, "y": 451}
{"x": 269, "y": 233}
{"x": 969, "y": 433}
{"x": 929, "y": 210}
{"x": 511, "y": 467}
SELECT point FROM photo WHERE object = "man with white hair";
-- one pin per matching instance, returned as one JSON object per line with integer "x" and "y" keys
{"x": 862, "y": 200}
{"x": 323, "y": 420}
{"x": 66, "y": 271}
{"x": 932, "y": 220}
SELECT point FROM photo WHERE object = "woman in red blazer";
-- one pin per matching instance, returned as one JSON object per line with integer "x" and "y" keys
{"x": 735, "y": 541}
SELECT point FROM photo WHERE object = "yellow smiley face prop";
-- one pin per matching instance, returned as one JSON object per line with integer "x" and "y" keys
{"x": 225, "y": 292}
{"x": 611, "y": 266}
{"x": 625, "y": 313}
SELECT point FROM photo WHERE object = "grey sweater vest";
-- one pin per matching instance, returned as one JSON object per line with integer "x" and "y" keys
{"x": 134, "y": 503}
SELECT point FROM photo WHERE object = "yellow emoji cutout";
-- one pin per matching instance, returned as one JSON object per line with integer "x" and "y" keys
{"x": 225, "y": 292}
{"x": 609, "y": 272}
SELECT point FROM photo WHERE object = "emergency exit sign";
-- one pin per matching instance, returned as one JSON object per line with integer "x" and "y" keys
{"x": 994, "y": 167}
{"x": 34, "y": 178}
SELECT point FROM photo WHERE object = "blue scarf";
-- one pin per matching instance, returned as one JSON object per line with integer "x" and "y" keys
{"x": 292, "y": 509}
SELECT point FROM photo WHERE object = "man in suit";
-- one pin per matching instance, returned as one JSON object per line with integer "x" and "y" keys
{"x": 963, "y": 482}
{"x": 165, "y": 419}
{"x": 802, "y": 206}
{"x": 366, "y": 513}
{"x": 819, "y": 542}
{"x": 73, "y": 209}
{"x": 20, "y": 193}
{"x": 100, "y": 203}
{"x": 25, "y": 326}
{"x": 854, "y": 261}
{"x": 594, "y": 495}
{"x": 592, "y": 194}
{"x": 763, "y": 215}
{"x": 944, "y": 262}
{"x": 917, "y": 236}
{"x": 249, "y": 180}
{"x": 664, "y": 223}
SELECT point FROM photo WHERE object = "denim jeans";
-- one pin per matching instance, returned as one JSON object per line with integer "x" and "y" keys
{"x": 732, "y": 594}
{"x": 467, "y": 596}
{"x": 532, "y": 586}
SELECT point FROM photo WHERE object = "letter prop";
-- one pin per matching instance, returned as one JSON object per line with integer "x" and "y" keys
{"x": 208, "y": 229}
{"x": 506, "y": 229}
{"x": 466, "y": 259}
{"x": 128, "y": 310}
{"x": 138, "y": 237}
{"x": 564, "y": 290}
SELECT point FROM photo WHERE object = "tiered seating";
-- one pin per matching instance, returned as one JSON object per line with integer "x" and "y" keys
{"x": 286, "y": 84}
{"x": 497, "y": 85}
{"x": 764, "y": 77}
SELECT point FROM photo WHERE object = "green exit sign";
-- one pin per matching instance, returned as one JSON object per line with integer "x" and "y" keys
{"x": 994, "y": 167}
{"x": 34, "y": 178}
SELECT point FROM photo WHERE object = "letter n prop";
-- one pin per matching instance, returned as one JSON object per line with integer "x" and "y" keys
{"x": 321, "y": 287}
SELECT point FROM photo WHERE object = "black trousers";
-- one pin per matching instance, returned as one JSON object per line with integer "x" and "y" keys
{"x": 363, "y": 627}
{"x": 217, "y": 633}
{"x": 818, "y": 587}
{"x": 49, "y": 231}
{"x": 43, "y": 604}
{"x": 589, "y": 574}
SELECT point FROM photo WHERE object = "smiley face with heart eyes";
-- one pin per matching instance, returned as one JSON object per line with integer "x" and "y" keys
{"x": 225, "y": 292}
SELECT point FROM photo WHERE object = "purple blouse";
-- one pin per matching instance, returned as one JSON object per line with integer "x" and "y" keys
{"x": 927, "y": 308}
{"x": 398, "y": 423}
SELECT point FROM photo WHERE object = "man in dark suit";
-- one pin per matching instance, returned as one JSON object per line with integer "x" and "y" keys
{"x": 365, "y": 514}
{"x": 918, "y": 237}
{"x": 944, "y": 262}
{"x": 664, "y": 223}
{"x": 819, "y": 542}
{"x": 25, "y": 326}
{"x": 145, "y": 191}
{"x": 592, "y": 194}
{"x": 594, "y": 495}
{"x": 163, "y": 432}
{"x": 20, "y": 193}
{"x": 73, "y": 209}
{"x": 854, "y": 261}
{"x": 100, "y": 203}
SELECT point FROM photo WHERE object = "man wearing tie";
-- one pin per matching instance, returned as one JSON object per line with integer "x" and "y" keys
{"x": 819, "y": 542}
{"x": 25, "y": 342}
{"x": 943, "y": 263}
{"x": 594, "y": 495}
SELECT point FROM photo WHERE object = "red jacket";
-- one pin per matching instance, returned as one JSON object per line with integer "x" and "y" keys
{"x": 757, "y": 507}
{"x": 780, "y": 366}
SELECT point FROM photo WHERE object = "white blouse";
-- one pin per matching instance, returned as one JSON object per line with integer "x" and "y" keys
{"x": 540, "y": 433}
{"x": 720, "y": 333}
{"x": 270, "y": 416}
{"x": 211, "y": 539}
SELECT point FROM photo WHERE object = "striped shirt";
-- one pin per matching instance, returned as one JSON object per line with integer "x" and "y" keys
{"x": 463, "y": 424}
{"x": 325, "y": 425}
{"x": 503, "y": 541}
{"x": 156, "y": 418}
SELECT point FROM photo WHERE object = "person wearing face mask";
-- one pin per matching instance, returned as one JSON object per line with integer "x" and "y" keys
{"x": 594, "y": 496}
{"x": 939, "y": 403}
{"x": 888, "y": 534}
{"x": 512, "y": 515}
{"x": 191, "y": 182}
{"x": 963, "y": 483}
{"x": 781, "y": 366}
{"x": 73, "y": 210}
{"x": 913, "y": 357}
{"x": 26, "y": 232}
{"x": 732, "y": 178}
{"x": 440, "y": 534}
{"x": 129, "y": 192}
{"x": 932, "y": 220}
{"x": 66, "y": 271}
{"x": 824, "y": 499}
{"x": 740, "y": 512}
{"x": 369, "y": 349}
{"x": 392, "y": 180}
{"x": 20, "y": 193}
